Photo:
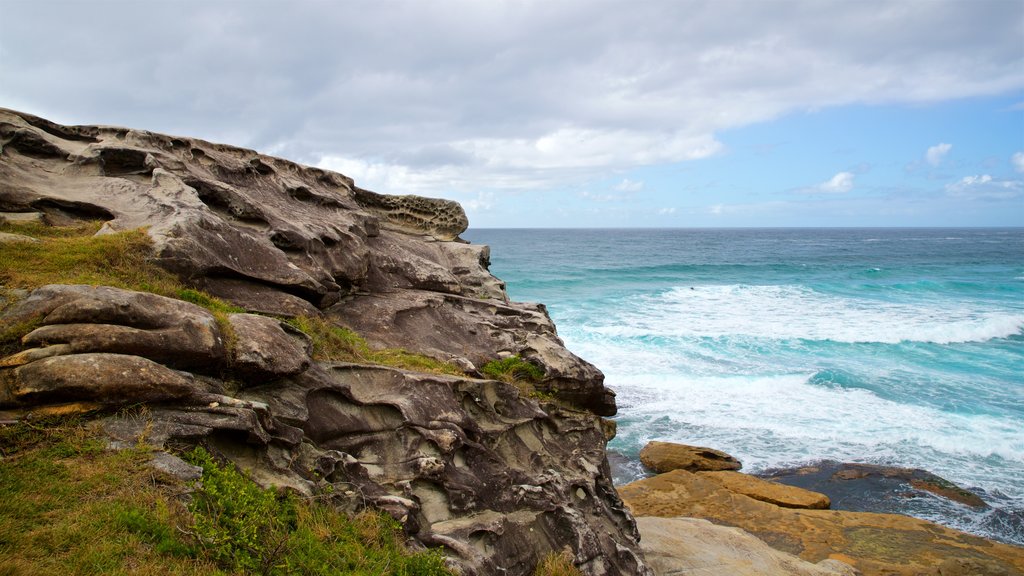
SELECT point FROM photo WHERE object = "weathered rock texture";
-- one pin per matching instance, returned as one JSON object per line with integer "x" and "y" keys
{"x": 876, "y": 544}
{"x": 473, "y": 465}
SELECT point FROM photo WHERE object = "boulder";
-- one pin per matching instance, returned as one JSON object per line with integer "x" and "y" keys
{"x": 668, "y": 456}
{"x": 875, "y": 544}
{"x": 767, "y": 491}
{"x": 77, "y": 319}
{"x": 267, "y": 349}
{"x": 112, "y": 379}
{"x": 678, "y": 546}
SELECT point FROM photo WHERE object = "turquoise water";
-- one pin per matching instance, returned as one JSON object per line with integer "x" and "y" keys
{"x": 787, "y": 346}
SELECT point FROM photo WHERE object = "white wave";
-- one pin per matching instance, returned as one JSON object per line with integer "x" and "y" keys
{"x": 795, "y": 312}
{"x": 782, "y": 420}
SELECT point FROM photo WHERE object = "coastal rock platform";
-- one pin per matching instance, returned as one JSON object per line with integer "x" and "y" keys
{"x": 875, "y": 544}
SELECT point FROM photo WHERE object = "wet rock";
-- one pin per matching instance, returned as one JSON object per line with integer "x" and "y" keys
{"x": 668, "y": 456}
{"x": 847, "y": 478}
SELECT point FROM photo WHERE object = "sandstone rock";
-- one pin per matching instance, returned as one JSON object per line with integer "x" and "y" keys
{"x": 770, "y": 492}
{"x": 471, "y": 465}
{"x": 267, "y": 349}
{"x": 876, "y": 544}
{"x": 476, "y": 331}
{"x": 668, "y": 456}
{"x": 684, "y": 546}
{"x": 114, "y": 379}
{"x": 78, "y": 319}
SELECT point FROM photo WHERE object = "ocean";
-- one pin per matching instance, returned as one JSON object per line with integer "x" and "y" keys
{"x": 785, "y": 347}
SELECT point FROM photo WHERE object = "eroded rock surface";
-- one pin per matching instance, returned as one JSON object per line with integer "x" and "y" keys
{"x": 495, "y": 477}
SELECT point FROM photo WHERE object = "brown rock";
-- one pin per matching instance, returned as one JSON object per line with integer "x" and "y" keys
{"x": 693, "y": 546}
{"x": 667, "y": 456}
{"x": 876, "y": 544}
{"x": 767, "y": 491}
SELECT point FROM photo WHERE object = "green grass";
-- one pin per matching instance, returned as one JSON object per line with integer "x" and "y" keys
{"x": 335, "y": 343}
{"x": 512, "y": 369}
{"x": 73, "y": 255}
{"x": 68, "y": 506}
{"x": 251, "y": 530}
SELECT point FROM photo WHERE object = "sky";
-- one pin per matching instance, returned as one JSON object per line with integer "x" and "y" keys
{"x": 570, "y": 113}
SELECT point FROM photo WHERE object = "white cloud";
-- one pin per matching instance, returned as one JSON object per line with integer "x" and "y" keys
{"x": 628, "y": 185}
{"x": 985, "y": 187}
{"x": 667, "y": 211}
{"x": 936, "y": 153}
{"x": 503, "y": 94}
{"x": 1018, "y": 161}
{"x": 838, "y": 184}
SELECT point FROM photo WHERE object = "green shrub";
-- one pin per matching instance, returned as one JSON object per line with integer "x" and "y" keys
{"x": 257, "y": 531}
{"x": 512, "y": 369}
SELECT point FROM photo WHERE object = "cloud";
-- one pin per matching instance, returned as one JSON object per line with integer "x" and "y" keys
{"x": 503, "y": 94}
{"x": 1018, "y": 161}
{"x": 628, "y": 185}
{"x": 936, "y": 153}
{"x": 985, "y": 187}
{"x": 666, "y": 211}
{"x": 838, "y": 184}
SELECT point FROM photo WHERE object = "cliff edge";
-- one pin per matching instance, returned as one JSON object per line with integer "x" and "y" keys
{"x": 496, "y": 474}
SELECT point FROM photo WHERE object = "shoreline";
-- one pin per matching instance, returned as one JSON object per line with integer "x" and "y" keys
{"x": 811, "y": 525}
{"x": 865, "y": 487}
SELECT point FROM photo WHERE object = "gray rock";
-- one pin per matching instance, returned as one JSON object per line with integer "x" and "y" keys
{"x": 471, "y": 465}
{"x": 114, "y": 379}
{"x": 267, "y": 349}
{"x": 173, "y": 466}
{"x": 105, "y": 319}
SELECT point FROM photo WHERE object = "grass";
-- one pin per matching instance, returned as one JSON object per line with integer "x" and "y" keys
{"x": 520, "y": 373}
{"x": 68, "y": 506}
{"x": 335, "y": 343}
{"x": 73, "y": 255}
{"x": 557, "y": 564}
{"x": 512, "y": 369}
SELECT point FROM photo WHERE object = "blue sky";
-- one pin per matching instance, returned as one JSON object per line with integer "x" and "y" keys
{"x": 858, "y": 165}
{"x": 583, "y": 113}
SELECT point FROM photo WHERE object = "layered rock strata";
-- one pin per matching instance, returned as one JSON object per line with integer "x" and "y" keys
{"x": 494, "y": 476}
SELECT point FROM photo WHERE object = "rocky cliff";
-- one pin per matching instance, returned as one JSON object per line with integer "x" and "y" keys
{"x": 496, "y": 476}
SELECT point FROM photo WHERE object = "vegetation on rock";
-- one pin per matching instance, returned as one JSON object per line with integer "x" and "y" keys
{"x": 70, "y": 506}
{"x": 557, "y": 565}
{"x": 335, "y": 343}
{"x": 512, "y": 369}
